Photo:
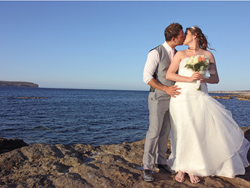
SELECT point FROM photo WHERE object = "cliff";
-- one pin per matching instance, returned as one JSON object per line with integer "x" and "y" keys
{"x": 17, "y": 84}
{"x": 79, "y": 165}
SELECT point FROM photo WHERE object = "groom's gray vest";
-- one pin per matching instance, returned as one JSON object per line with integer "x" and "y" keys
{"x": 161, "y": 70}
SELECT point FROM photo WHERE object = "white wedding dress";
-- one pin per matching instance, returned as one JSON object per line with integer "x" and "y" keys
{"x": 205, "y": 139}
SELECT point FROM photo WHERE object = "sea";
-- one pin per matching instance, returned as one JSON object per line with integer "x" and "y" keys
{"x": 84, "y": 116}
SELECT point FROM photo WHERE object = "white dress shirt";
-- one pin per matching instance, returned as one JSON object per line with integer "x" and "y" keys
{"x": 152, "y": 63}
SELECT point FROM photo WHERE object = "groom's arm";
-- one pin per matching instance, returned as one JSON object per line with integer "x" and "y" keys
{"x": 149, "y": 70}
{"x": 171, "y": 90}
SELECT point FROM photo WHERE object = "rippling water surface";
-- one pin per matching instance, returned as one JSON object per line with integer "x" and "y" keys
{"x": 69, "y": 116}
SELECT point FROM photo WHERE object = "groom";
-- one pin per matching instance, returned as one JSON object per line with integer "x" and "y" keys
{"x": 161, "y": 90}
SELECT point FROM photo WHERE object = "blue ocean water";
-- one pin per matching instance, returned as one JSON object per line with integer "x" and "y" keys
{"x": 96, "y": 117}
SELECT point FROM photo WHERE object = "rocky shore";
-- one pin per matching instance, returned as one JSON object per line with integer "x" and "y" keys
{"x": 239, "y": 96}
{"x": 83, "y": 166}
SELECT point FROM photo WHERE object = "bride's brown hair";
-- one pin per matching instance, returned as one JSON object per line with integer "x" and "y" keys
{"x": 195, "y": 30}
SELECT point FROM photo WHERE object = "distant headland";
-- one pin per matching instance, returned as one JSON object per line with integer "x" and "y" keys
{"x": 17, "y": 84}
{"x": 243, "y": 91}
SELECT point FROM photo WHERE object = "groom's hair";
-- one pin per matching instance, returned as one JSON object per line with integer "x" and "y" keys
{"x": 172, "y": 30}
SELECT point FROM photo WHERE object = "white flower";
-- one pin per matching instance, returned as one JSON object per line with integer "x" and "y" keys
{"x": 196, "y": 60}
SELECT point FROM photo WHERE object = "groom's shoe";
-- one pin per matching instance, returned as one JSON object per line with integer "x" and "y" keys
{"x": 147, "y": 175}
{"x": 164, "y": 167}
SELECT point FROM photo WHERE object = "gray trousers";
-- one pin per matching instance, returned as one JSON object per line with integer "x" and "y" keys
{"x": 156, "y": 141}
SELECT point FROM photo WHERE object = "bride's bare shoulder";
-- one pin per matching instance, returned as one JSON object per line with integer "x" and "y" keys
{"x": 209, "y": 55}
{"x": 181, "y": 53}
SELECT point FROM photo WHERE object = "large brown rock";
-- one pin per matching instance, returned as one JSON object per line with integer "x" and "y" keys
{"x": 222, "y": 97}
{"x": 83, "y": 166}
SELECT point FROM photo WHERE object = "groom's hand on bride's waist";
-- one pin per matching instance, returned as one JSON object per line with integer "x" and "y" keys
{"x": 172, "y": 90}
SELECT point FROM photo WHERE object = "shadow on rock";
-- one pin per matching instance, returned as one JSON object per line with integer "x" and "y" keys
{"x": 7, "y": 145}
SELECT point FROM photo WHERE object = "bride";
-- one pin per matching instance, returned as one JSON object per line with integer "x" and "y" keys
{"x": 205, "y": 139}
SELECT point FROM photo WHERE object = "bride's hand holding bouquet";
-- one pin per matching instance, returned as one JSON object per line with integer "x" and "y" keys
{"x": 195, "y": 76}
{"x": 200, "y": 65}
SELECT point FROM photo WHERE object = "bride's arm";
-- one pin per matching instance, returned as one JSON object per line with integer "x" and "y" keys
{"x": 171, "y": 73}
{"x": 214, "y": 78}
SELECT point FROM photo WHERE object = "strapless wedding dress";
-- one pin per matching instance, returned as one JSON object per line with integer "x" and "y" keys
{"x": 205, "y": 140}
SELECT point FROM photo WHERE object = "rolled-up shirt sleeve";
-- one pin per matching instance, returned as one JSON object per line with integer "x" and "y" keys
{"x": 150, "y": 66}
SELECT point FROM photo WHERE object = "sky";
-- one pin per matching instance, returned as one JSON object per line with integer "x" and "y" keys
{"x": 104, "y": 44}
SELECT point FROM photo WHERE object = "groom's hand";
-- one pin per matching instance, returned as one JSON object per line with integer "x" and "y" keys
{"x": 172, "y": 91}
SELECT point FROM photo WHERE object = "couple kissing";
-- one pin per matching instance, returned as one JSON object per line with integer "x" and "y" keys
{"x": 205, "y": 139}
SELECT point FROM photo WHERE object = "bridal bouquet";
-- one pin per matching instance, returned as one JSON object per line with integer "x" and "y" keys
{"x": 198, "y": 63}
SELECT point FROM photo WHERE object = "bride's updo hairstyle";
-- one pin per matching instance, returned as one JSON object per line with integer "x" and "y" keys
{"x": 195, "y": 30}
